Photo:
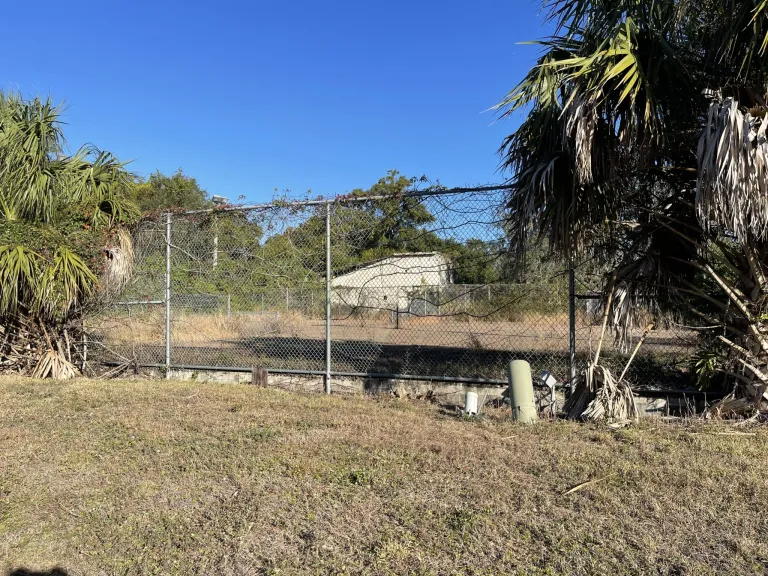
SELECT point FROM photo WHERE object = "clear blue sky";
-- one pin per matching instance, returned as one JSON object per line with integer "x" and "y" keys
{"x": 252, "y": 96}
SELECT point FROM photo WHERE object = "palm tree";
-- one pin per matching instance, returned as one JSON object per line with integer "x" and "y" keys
{"x": 644, "y": 137}
{"x": 61, "y": 235}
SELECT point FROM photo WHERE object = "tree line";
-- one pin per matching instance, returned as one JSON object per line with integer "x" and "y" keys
{"x": 243, "y": 253}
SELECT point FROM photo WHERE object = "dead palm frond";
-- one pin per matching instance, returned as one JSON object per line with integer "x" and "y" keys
{"x": 613, "y": 400}
{"x": 54, "y": 365}
{"x": 732, "y": 188}
{"x": 119, "y": 263}
{"x": 597, "y": 395}
{"x": 580, "y": 130}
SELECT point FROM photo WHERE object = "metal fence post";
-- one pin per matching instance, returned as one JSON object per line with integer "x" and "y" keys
{"x": 572, "y": 325}
{"x": 328, "y": 297}
{"x": 215, "y": 241}
{"x": 168, "y": 295}
{"x": 397, "y": 309}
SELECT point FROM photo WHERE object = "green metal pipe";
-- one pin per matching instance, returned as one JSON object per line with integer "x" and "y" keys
{"x": 521, "y": 392}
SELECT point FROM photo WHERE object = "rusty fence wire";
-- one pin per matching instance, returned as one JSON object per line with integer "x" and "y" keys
{"x": 421, "y": 286}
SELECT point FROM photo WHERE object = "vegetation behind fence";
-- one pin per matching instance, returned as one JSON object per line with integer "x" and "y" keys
{"x": 421, "y": 285}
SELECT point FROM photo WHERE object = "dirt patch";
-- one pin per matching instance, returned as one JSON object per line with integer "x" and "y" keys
{"x": 427, "y": 346}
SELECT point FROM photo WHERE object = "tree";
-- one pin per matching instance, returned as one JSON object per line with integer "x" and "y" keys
{"x": 391, "y": 222}
{"x": 362, "y": 231}
{"x": 160, "y": 192}
{"x": 62, "y": 240}
{"x": 477, "y": 262}
{"x": 397, "y": 221}
{"x": 644, "y": 137}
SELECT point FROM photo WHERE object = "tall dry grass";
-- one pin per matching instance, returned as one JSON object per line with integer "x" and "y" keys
{"x": 149, "y": 327}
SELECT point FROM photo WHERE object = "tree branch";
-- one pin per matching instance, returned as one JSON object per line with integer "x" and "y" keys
{"x": 756, "y": 267}
{"x": 738, "y": 299}
{"x": 740, "y": 349}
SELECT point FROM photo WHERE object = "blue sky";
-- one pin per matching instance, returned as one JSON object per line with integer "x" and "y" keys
{"x": 252, "y": 96}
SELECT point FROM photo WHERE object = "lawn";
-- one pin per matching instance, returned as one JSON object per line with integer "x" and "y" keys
{"x": 155, "y": 477}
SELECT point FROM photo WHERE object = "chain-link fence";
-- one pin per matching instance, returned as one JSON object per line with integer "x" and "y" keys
{"x": 664, "y": 356}
{"x": 418, "y": 286}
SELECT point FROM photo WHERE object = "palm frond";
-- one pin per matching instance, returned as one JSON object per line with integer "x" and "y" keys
{"x": 54, "y": 365}
{"x": 30, "y": 139}
{"x": 593, "y": 117}
{"x": 98, "y": 181}
{"x": 65, "y": 283}
{"x": 732, "y": 187}
{"x": 19, "y": 277}
{"x": 119, "y": 266}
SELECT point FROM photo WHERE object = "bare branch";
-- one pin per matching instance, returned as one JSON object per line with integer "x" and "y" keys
{"x": 756, "y": 267}
{"x": 738, "y": 299}
{"x": 740, "y": 349}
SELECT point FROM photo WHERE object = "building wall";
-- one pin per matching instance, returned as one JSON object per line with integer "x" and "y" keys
{"x": 390, "y": 283}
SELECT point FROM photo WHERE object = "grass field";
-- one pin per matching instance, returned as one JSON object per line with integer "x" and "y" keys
{"x": 155, "y": 477}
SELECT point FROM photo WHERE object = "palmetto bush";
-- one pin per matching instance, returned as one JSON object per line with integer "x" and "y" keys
{"x": 643, "y": 142}
{"x": 62, "y": 241}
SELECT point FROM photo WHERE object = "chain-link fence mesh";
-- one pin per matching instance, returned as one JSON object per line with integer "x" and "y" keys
{"x": 130, "y": 327}
{"x": 663, "y": 359}
{"x": 433, "y": 292}
{"x": 421, "y": 286}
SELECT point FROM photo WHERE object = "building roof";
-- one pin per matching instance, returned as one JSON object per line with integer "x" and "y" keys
{"x": 390, "y": 257}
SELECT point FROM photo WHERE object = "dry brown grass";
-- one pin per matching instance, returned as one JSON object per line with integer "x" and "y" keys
{"x": 148, "y": 477}
{"x": 149, "y": 327}
{"x": 538, "y": 334}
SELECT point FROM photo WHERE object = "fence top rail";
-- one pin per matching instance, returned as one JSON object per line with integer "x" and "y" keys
{"x": 352, "y": 199}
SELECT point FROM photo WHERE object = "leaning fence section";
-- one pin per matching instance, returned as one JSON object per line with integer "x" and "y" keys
{"x": 414, "y": 286}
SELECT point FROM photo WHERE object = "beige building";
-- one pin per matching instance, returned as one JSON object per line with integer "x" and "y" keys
{"x": 391, "y": 283}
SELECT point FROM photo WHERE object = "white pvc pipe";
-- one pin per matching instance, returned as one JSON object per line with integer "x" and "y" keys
{"x": 470, "y": 404}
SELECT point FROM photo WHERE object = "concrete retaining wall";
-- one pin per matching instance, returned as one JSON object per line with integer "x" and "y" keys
{"x": 448, "y": 393}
